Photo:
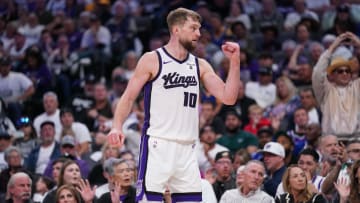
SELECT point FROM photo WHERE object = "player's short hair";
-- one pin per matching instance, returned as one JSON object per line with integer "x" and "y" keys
{"x": 180, "y": 15}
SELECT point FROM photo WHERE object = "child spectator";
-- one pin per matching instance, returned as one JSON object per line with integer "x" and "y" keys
{"x": 256, "y": 119}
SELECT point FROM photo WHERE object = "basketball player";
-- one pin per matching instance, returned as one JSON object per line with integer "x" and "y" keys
{"x": 170, "y": 77}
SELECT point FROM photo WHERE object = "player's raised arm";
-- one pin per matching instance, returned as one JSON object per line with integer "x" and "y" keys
{"x": 142, "y": 74}
{"x": 226, "y": 92}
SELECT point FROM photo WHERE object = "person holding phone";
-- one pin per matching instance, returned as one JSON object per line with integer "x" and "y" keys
{"x": 336, "y": 91}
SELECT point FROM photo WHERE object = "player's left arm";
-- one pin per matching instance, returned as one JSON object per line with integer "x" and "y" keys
{"x": 226, "y": 92}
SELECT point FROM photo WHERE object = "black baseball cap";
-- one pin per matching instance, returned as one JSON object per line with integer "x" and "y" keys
{"x": 47, "y": 123}
{"x": 224, "y": 154}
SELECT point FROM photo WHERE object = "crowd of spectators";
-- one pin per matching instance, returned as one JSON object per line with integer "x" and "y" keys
{"x": 65, "y": 63}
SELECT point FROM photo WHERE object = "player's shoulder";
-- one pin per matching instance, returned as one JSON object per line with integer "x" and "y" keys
{"x": 149, "y": 56}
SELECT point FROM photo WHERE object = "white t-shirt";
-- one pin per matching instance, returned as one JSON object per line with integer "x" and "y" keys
{"x": 208, "y": 194}
{"x": 313, "y": 116}
{"x": 13, "y": 85}
{"x": 263, "y": 95}
{"x": 82, "y": 133}
{"x": 45, "y": 117}
{"x": 16, "y": 53}
{"x": 32, "y": 34}
{"x": 44, "y": 158}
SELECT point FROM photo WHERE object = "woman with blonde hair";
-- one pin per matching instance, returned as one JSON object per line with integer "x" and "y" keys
{"x": 287, "y": 100}
{"x": 296, "y": 188}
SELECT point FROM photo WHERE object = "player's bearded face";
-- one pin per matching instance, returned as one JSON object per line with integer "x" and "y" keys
{"x": 187, "y": 44}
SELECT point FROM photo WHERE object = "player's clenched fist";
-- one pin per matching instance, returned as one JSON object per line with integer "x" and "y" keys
{"x": 115, "y": 138}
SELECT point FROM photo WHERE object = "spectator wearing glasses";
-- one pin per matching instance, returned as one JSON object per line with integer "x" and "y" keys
{"x": 120, "y": 182}
{"x": 224, "y": 179}
{"x": 335, "y": 90}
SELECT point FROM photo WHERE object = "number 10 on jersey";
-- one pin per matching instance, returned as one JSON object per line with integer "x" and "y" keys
{"x": 190, "y": 99}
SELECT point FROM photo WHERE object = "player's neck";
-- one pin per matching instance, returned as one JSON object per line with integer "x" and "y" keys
{"x": 176, "y": 50}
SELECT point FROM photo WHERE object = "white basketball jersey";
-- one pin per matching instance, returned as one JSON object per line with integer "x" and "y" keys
{"x": 172, "y": 98}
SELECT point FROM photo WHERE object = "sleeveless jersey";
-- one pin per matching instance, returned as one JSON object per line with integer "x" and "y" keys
{"x": 171, "y": 99}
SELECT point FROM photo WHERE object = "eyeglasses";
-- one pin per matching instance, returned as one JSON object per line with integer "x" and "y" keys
{"x": 341, "y": 71}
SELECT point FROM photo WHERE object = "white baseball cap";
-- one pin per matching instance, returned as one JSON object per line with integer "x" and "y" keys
{"x": 274, "y": 148}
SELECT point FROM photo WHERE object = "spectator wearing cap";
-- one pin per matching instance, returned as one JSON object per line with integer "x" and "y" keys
{"x": 25, "y": 138}
{"x": 335, "y": 90}
{"x": 235, "y": 138}
{"x": 15, "y": 88}
{"x": 14, "y": 159}
{"x": 223, "y": 168}
{"x": 263, "y": 91}
{"x": 208, "y": 148}
{"x": 52, "y": 113}
{"x": 250, "y": 189}
{"x": 5, "y": 142}
{"x": 274, "y": 155}
{"x": 293, "y": 18}
{"x": 48, "y": 150}
{"x": 68, "y": 151}
{"x": 79, "y": 130}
